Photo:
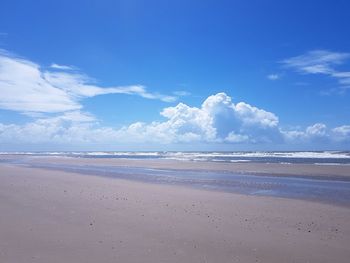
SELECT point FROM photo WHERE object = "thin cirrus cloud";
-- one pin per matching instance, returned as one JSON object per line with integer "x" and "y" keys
{"x": 181, "y": 93}
{"x": 28, "y": 88}
{"x": 273, "y": 76}
{"x": 62, "y": 67}
{"x": 322, "y": 62}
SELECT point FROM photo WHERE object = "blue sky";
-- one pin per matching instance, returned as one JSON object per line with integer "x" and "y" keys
{"x": 94, "y": 75}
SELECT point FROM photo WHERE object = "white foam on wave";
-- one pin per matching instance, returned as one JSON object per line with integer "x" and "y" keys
{"x": 201, "y": 156}
{"x": 126, "y": 153}
{"x": 240, "y": 161}
{"x": 332, "y": 164}
{"x": 304, "y": 154}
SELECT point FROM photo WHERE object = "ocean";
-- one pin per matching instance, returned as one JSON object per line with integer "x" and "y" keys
{"x": 301, "y": 157}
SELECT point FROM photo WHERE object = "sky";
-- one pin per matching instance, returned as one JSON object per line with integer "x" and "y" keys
{"x": 174, "y": 75}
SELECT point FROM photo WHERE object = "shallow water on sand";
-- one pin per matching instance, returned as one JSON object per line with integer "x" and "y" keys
{"x": 323, "y": 190}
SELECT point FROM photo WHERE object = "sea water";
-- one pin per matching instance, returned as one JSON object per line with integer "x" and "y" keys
{"x": 303, "y": 157}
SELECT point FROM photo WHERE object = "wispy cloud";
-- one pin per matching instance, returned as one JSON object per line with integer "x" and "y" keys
{"x": 181, "y": 93}
{"x": 321, "y": 62}
{"x": 316, "y": 61}
{"x": 28, "y": 88}
{"x": 273, "y": 76}
{"x": 62, "y": 67}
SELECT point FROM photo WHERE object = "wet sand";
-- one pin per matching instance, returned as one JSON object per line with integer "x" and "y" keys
{"x": 55, "y": 216}
{"x": 332, "y": 171}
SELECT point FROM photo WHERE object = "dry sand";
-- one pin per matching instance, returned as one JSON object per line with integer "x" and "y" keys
{"x": 53, "y": 216}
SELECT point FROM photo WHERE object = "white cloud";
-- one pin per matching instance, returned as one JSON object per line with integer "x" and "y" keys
{"x": 27, "y": 88}
{"x": 76, "y": 85}
{"x": 53, "y": 99}
{"x": 273, "y": 76}
{"x": 342, "y": 133}
{"x": 181, "y": 93}
{"x": 71, "y": 127}
{"x": 217, "y": 120}
{"x": 23, "y": 88}
{"x": 312, "y": 132}
{"x": 252, "y": 116}
{"x": 321, "y": 62}
{"x": 241, "y": 118}
{"x": 62, "y": 67}
{"x": 316, "y": 130}
{"x": 74, "y": 116}
{"x": 316, "y": 61}
{"x": 236, "y": 138}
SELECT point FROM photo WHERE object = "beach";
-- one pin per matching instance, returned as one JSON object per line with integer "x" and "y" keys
{"x": 175, "y": 131}
{"x": 54, "y": 215}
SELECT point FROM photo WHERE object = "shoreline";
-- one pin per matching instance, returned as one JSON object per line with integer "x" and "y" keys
{"x": 294, "y": 181}
{"x": 329, "y": 171}
{"x": 243, "y": 184}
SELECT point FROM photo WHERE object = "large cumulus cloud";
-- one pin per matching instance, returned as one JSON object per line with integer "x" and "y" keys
{"x": 217, "y": 120}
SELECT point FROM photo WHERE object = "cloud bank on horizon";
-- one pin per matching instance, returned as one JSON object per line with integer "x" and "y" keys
{"x": 52, "y": 96}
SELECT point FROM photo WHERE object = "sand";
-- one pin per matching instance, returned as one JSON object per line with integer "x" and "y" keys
{"x": 55, "y": 216}
{"x": 280, "y": 169}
